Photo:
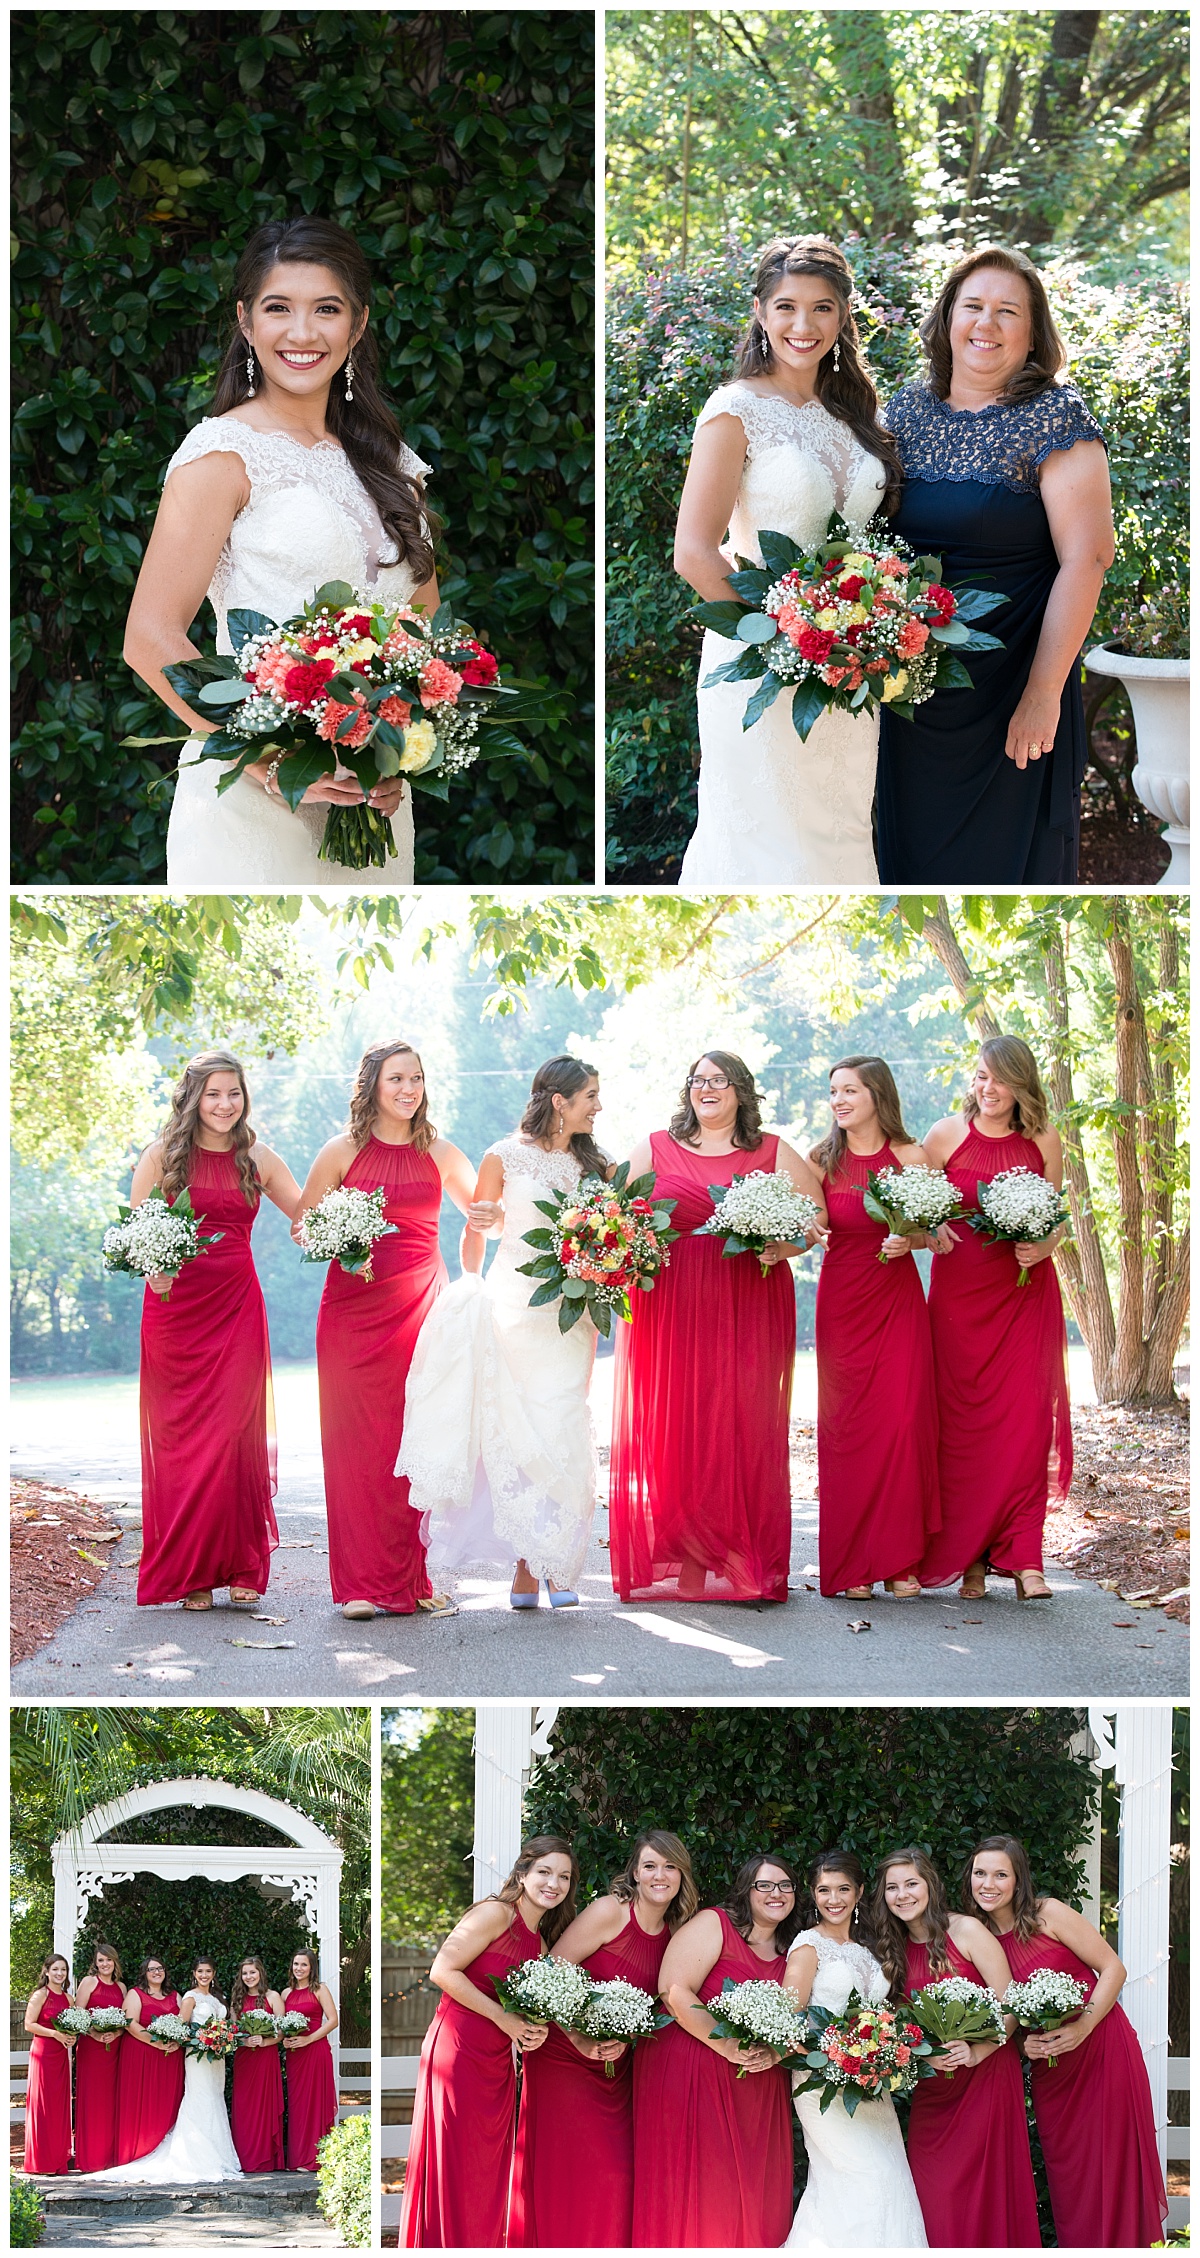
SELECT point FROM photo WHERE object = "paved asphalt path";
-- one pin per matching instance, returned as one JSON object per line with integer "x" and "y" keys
{"x": 1083, "y": 1644}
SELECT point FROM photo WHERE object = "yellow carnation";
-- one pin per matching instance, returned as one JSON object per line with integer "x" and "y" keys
{"x": 857, "y": 616}
{"x": 828, "y": 618}
{"x": 895, "y": 686}
{"x": 857, "y": 564}
{"x": 365, "y": 648}
{"x": 420, "y": 745}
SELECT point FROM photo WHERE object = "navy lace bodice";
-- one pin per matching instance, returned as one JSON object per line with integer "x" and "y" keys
{"x": 1001, "y": 445}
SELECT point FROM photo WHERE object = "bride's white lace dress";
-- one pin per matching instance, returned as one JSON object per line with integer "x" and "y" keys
{"x": 498, "y": 1443}
{"x": 772, "y": 810}
{"x": 308, "y": 520}
{"x": 199, "y": 2146}
{"x": 860, "y": 2193}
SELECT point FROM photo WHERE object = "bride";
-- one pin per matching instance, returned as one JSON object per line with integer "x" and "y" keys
{"x": 199, "y": 2146}
{"x": 498, "y": 1444}
{"x": 298, "y": 477}
{"x": 860, "y": 2193}
{"x": 791, "y": 442}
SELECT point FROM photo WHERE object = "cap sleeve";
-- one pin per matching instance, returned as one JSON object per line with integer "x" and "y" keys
{"x": 727, "y": 400}
{"x": 898, "y": 413}
{"x": 1061, "y": 420}
{"x": 412, "y": 465}
{"x": 216, "y": 437}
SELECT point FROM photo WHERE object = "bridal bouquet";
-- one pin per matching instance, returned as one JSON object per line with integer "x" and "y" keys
{"x": 757, "y": 1209}
{"x": 910, "y": 1200}
{"x": 1018, "y": 1206}
{"x": 213, "y": 2041}
{"x": 105, "y": 2019}
{"x": 757, "y": 2013}
{"x": 863, "y": 2052}
{"x": 546, "y": 1991}
{"x": 156, "y": 1238}
{"x": 171, "y": 2030}
{"x": 853, "y": 624}
{"x": 615, "y": 2009}
{"x": 1044, "y": 2002}
{"x": 343, "y": 1227}
{"x": 602, "y": 1242}
{"x": 955, "y": 2012}
{"x": 74, "y": 2021}
{"x": 375, "y": 689}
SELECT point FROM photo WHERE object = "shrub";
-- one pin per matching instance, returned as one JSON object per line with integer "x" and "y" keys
{"x": 26, "y": 2218}
{"x": 344, "y": 2180}
{"x": 670, "y": 344}
{"x": 457, "y": 147}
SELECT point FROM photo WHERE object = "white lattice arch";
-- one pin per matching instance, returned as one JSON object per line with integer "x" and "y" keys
{"x": 306, "y": 1866}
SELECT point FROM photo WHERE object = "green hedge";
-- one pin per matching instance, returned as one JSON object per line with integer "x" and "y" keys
{"x": 457, "y": 147}
{"x": 670, "y": 344}
{"x": 730, "y": 1782}
{"x": 344, "y": 2180}
{"x": 26, "y": 2218}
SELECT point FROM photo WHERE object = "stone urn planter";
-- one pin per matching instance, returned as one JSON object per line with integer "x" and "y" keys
{"x": 1157, "y": 690}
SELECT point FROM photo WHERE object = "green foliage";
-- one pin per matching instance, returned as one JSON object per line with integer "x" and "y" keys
{"x": 344, "y": 2180}
{"x": 731, "y": 1782}
{"x": 26, "y": 2218}
{"x": 457, "y": 147}
{"x": 428, "y": 1822}
{"x": 671, "y": 343}
{"x": 180, "y": 1919}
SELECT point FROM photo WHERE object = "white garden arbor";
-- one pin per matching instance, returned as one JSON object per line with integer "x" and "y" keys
{"x": 305, "y": 1868}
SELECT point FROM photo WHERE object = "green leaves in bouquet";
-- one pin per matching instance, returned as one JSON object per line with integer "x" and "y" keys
{"x": 723, "y": 618}
{"x": 746, "y": 668}
{"x": 188, "y": 676}
{"x": 780, "y": 552}
{"x": 873, "y": 1207}
{"x": 808, "y": 705}
{"x": 333, "y": 595}
{"x": 950, "y": 674}
{"x": 297, "y": 771}
{"x": 243, "y": 624}
{"x": 759, "y": 700}
{"x": 756, "y": 627}
{"x": 751, "y": 582}
{"x": 976, "y": 603}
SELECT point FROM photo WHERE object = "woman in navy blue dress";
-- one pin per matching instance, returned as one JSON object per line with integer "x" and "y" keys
{"x": 1006, "y": 480}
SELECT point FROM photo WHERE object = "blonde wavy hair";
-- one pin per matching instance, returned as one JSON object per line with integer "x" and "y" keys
{"x": 364, "y": 1096}
{"x": 182, "y": 1129}
{"x": 687, "y": 1896}
{"x": 1012, "y": 1062}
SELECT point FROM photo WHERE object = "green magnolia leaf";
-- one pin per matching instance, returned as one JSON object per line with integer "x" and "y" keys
{"x": 975, "y": 639}
{"x": 231, "y": 776}
{"x": 142, "y": 741}
{"x": 729, "y": 671}
{"x": 619, "y": 1180}
{"x": 540, "y": 1237}
{"x": 757, "y": 627}
{"x": 243, "y": 624}
{"x": 722, "y": 618}
{"x": 544, "y": 1295}
{"x": 337, "y": 595}
{"x": 752, "y": 583}
{"x": 779, "y": 552}
{"x": 224, "y": 693}
{"x": 976, "y": 603}
{"x": 808, "y": 705}
{"x": 438, "y": 787}
{"x": 759, "y": 700}
{"x": 930, "y": 568}
{"x": 570, "y": 1312}
{"x": 297, "y": 772}
{"x": 221, "y": 745}
{"x": 443, "y": 619}
{"x": 602, "y": 1317}
{"x": 951, "y": 674}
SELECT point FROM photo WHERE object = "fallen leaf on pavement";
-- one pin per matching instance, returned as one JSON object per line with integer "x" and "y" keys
{"x": 270, "y": 1643}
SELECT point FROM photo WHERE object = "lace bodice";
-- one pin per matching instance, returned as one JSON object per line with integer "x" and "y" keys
{"x": 206, "y": 2009}
{"x": 1001, "y": 445}
{"x": 841, "y": 1969}
{"x": 801, "y": 466}
{"x": 309, "y": 519}
{"x": 530, "y": 1172}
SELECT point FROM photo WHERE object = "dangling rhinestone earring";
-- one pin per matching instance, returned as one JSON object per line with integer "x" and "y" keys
{"x": 349, "y": 374}
{"x": 763, "y": 346}
{"x": 837, "y": 354}
{"x": 250, "y": 372}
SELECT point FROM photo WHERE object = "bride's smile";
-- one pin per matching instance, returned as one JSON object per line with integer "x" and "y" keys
{"x": 299, "y": 327}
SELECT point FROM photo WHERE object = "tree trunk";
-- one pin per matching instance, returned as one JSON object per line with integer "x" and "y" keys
{"x": 1167, "y": 1330}
{"x": 1080, "y": 1258}
{"x": 1055, "y": 122}
{"x": 687, "y": 138}
{"x": 942, "y": 939}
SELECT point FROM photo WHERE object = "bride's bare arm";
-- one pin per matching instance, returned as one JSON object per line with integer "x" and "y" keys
{"x": 200, "y": 502}
{"x": 706, "y": 505}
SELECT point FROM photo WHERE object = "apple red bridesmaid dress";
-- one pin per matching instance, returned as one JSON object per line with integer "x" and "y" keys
{"x": 876, "y": 1403}
{"x": 712, "y": 2152}
{"x": 149, "y": 2085}
{"x": 312, "y": 2103}
{"x": 96, "y": 2072}
{"x": 461, "y": 2147}
{"x": 968, "y": 2147}
{"x": 207, "y": 1420}
{"x": 1000, "y": 1364}
{"x": 48, "y": 2095}
{"x": 573, "y": 2174}
{"x": 1095, "y": 2120}
{"x": 366, "y": 1335}
{"x": 256, "y": 2106}
{"x": 699, "y": 1492}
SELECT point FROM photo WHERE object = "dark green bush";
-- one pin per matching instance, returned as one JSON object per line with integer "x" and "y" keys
{"x": 180, "y": 1919}
{"x": 457, "y": 147}
{"x": 670, "y": 344}
{"x": 344, "y": 2180}
{"x": 26, "y": 2218}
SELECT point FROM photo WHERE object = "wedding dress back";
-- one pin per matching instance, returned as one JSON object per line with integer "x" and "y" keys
{"x": 199, "y": 2146}
{"x": 860, "y": 2193}
{"x": 309, "y": 520}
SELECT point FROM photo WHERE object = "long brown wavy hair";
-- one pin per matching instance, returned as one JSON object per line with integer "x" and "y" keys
{"x": 1026, "y": 1906}
{"x": 1047, "y": 353}
{"x": 748, "y": 1128}
{"x": 739, "y": 1907}
{"x": 237, "y": 1990}
{"x": 1014, "y": 1064}
{"x": 363, "y": 1097}
{"x": 562, "y": 1077}
{"x": 891, "y": 1935}
{"x": 880, "y": 1081}
{"x": 303, "y": 1952}
{"x": 364, "y": 426}
{"x": 838, "y": 1861}
{"x": 179, "y": 1136}
{"x": 560, "y": 1917}
{"x": 687, "y": 1896}
{"x": 846, "y": 392}
{"x": 48, "y": 1963}
{"x": 93, "y": 1966}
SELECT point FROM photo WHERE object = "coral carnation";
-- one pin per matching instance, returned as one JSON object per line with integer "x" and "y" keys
{"x": 396, "y": 711}
{"x": 334, "y": 713}
{"x": 440, "y": 684}
{"x": 912, "y": 638}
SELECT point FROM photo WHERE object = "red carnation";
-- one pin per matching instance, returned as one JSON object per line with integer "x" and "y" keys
{"x": 855, "y": 634}
{"x": 815, "y": 643}
{"x": 483, "y": 669}
{"x": 358, "y": 625}
{"x": 943, "y": 602}
{"x": 851, "y": 588}
{"x": 304, "y": 682}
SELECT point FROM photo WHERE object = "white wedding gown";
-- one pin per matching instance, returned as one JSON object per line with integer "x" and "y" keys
{"x": 199, "y": 2146}
{"x": 497, "y": 1442}
{"x": 860, "y": 2193}
{"x": 773, "y": 811}
{"x": 308, "y": 520}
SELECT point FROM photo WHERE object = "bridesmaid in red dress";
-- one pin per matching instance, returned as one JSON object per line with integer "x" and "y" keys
{"x": 968, "y": 2147}
{"x": 312, "y": 2103}
{"x": 366, "y": 1334}
{"x": 999, "y": 1350}
{"x": 573, "y": 2175}
{"x": 1094, "y": 2111}
{"x": 48, "y": 2093}
{"x": 709, "y": 1353}
{"x": 461, "y": 2147}
{"x": 150, "y": 2073}
{"x": 96, "y": 2066}
{"x": 876, "y": 1402}
{"x": 256, "y": 2106}
{"x": 712, "y": 2151}
{"x": 207, "y": 1426}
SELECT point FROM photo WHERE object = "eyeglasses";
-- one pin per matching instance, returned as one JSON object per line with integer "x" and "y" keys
{"x": 774, "y": 1889}
{"x": 707, "y": 1082}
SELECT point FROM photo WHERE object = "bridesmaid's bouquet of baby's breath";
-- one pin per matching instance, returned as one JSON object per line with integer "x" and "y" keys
{"x": 157, "y": 1238}
{"x": 615, "y": 2009}
{"x": 957, "y": 2012}
{"x": 909, "y": 1201}
{"x": 757, "y": 1211}
{"x": 547, "y": 1991}
{"x": 75, "y": 2021}
{"x": 757, "y": 2013}
{"x": 1019, "y": 1207}
{"x": 1045, "y": 2001}
{"x": 106, "y": 2019}
{"x": 258, "y": 2022}
{"x": 343, "y": 1227}
{"x": 171, "y": 2030}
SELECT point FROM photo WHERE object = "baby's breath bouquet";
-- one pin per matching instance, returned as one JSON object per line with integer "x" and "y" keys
{"x": 258, "y": 2022}
{"x": 1045, "y": 2001}
{"x": 756, "y": 1210}
{"x": 909, "y": 1201}
{"x": 106, "y": 2019}
{"x": 170, "y": 2030}
{"x": 547, "y": 1991}
{"x": 74, "y": 2021}
{"x": 758, "y": 2013}
{"x": 956, "y": 2012}
{"x": 157, "y": 1238}
{"x": 615, "y": 2009}
{"x": 1019, "y": 1206}
{"x": 343, "y": 1227}
{"x": 292, "y": 2023}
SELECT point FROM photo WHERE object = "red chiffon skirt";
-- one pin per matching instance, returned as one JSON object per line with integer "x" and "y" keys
{"x": 256, "y": 2108}
{"x": 97, "y": 2069}
{"x": 312, "y": 2104}
{"x": 48, "y": 2106}
{"x": 149, "y": 2091}
{"x": 712, "y": 2151}
{"x": 968, "y": 2151}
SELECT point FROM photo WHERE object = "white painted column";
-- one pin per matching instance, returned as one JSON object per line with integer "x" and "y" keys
{"x": 329, "y": 1931}
{"x": 503, "y": 1730}
{"x": 66, "y": 1898}
{"x": 1143, "y": 1746}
